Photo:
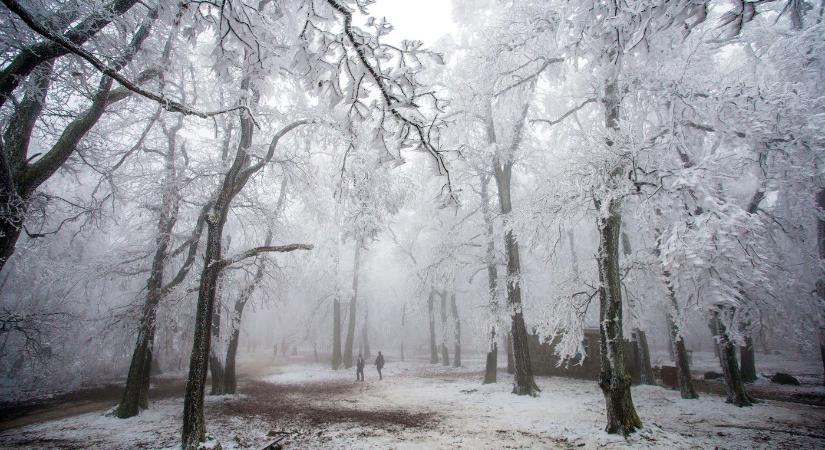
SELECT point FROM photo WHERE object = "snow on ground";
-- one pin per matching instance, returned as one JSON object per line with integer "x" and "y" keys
{"x": 421, "y": 406}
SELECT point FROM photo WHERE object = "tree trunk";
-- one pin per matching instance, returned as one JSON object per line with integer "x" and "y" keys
{"x": 737, "y": 394}
{"x": 509, "y": 344}
{"x": 136, "y": 392}
{"x": 336, "y": 334}
{"x": 445, "y": 355}
{"x": 491, "y": 367}
{"x": 230, "y": 379}
{"x": 645, "y": 370}
{"x": 524, "y": 384}
{"x": 613, "y": 377}
{"x": 215, "y": 364}
{"x": 747, "y": 360}
{"x": 456, "y": 332}
{"x": 352, "y": 309}
{"x": 431, "y": 316}
{"x": 365, "y": 333}
{"x": 677, "y": 344}
{"x": 820, "y": 285}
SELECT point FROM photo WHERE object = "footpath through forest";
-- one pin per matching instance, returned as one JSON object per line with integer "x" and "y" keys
{"x": 422, "y": 406}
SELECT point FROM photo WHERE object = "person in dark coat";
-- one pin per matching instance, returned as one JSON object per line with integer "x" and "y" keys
{"x": 359, "y": 368}
{"x": 379, "y": 364}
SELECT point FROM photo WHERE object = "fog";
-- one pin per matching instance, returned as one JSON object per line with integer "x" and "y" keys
{"x": 329, "y": 223}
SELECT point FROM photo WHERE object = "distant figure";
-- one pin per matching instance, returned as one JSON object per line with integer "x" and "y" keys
{"x": 359, "y": 368}
{"x": 379, "y": 364}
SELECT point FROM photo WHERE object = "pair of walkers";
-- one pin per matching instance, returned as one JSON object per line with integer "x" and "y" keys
{"x": 359, "y": 367}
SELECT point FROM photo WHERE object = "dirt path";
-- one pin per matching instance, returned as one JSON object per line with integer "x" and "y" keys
{"x": 13, "y": 415}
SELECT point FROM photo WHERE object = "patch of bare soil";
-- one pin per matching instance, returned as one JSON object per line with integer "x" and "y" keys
{"x": 767, "y": 392}
{"x": 279, "y": 404}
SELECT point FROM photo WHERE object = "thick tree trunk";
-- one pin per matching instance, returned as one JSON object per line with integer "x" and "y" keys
{"x": 215, "y": 364}
{"x": 445, "y": 355}
{"x": 352, "y": 309}
{"x": 491, "y": 367}
{"x": 431, "y": 317}
{"x": 524, "y": 384}
{"x": 613, "y": 377}
{"x": 336, "y": 334}
{"x": 645, "y": 369}
{"x": 230, "y": 379}
{"x": 677, "y": 344}
{"x": 509, "y": 344}
{"x": 456, "y": 332}
{"x": 136, "y": 393}
{"x": 747, "y": 359}
{"x": 193, "y": 431}
{"x": 365, "y": 338}
{"x": 820, "y": 285}
{"x": 737, "y": 394}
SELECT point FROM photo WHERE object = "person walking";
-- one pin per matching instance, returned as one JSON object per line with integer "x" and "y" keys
{"x": 359, "y": 368}
{"x": 379, "y": 364}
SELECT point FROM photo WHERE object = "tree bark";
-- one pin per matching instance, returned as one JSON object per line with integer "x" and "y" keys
{"x": 193, "y": 431}
{"x": 456, "y": 332}
{"x": 645, "y": 370}
{"x": 613, "y": 377}
{"x": 352, "y": 307}
{"x": 403, "y": 328}
{"x": 737, "y": 394}
{"x": 431, "y": 317}
{"x": 445, "y": 355}
{"x": 820, "y": 228}
{"x": 508, "y": 342}
{"x": 136, "y": 393}
{"x": 747, "y": 360}
{"x": 677, "y": 344}
{"x": 491, "y": 367}
{"x": 524, "y": 384}
{"x": 216, "y": 368}
{"x": 336, "y": 334}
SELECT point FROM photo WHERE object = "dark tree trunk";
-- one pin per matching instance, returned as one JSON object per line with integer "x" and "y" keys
{"x": 677, "y": 344}
{"x": 351, "y": 326}
{"x": 737, "y": 394}
{"x": 136, "y": 392}
{"x": 747, "y": 360}
{"x": 336, "y": 334}
{"x": 613, "y": 377}
{"x": 524, "y": 384}
{"x": 230, "y": 378}
{"x": 215, "y": 364}
{"x": 431, "y": 317}
{"x": 643, "y": 360}
{"x": 491, "y": 367}
{"x": 509, "y": 344}
{"x": 365, "y": 333}
{"x": 820, "y": 285}
{"x": 456, "y": 332}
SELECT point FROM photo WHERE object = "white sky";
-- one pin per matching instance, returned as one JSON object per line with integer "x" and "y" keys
{"x": 423, "y": 20}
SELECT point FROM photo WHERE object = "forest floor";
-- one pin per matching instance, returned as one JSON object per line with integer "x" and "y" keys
{"x": 423, "y": 406}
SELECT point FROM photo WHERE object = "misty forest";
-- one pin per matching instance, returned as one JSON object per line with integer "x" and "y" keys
{"x": 263, "y": 224}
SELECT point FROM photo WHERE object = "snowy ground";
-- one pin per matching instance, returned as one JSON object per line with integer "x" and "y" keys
{"x": 421, "y": 406}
